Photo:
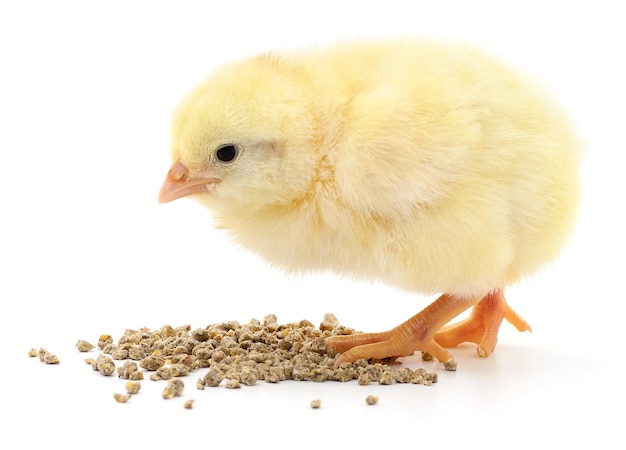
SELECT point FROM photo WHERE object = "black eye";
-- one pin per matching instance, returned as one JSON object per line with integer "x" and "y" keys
{"x": 226, "y": 153}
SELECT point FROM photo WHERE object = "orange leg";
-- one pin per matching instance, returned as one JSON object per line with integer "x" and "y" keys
{"x": 481, "y": 327}
{"x": 426, "y": 331}
{"x": 417, "y": 333}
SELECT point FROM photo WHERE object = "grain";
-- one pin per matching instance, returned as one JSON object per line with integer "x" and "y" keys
{"x": 132, "y": 387}
{"x": 233, "y": 384}
{"x": 371, "y": 399}
{"x": 130, "y": 371}
{"x": 104, "y": 339}
{"x": 103, "y": 364}
{"x": 169, "y": 371}
{"x": 387, "y": 377}
{"x": 316, "y": 403}
{"x": 47, "y": 357}
{"x": 248, "y": 376}
{"x": 329, "y": 323}
{"x": 152, "y": 362}
{"x": 136, "y": 375}
{"x": 174, "y": 388}
{"x": 213, "y": 377}
{"x": 188, "y": 404}
{"x": 84, "y": 346}
{"x": 119, "y": 354}
{"x": 50, "y": 358}
{"x": 246, "y": 353}
{"x": 364, "y": 379}
{"x": 121, "y": 398}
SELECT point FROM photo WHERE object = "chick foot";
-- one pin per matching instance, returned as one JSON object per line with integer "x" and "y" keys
{"x": 482, "y": 326}
{"x": 415, "y": 334}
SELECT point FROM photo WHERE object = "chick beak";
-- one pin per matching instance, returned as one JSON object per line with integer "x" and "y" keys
{"x": 179, "y": 184}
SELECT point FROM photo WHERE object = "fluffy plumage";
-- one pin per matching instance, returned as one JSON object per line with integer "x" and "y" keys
{"x": 430, "y": 166}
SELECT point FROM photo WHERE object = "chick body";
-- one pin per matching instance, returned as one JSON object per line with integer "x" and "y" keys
{"x": 430, "y": 166}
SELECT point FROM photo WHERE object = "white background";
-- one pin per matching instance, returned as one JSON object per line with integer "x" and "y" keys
{"x": 86, "y": 94}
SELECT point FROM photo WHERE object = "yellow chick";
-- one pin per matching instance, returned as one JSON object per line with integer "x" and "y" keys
{"x": 427, "y": 165}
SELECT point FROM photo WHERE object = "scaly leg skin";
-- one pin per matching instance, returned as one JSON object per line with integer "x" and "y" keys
{"x": 417, "y": 333}
{"x": 481, "y": 327}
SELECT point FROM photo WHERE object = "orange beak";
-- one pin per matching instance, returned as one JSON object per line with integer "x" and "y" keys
{"x": 178, "y": 184}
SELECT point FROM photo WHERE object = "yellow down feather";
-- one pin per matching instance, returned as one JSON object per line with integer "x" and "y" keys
{"x": 427, "y": 165}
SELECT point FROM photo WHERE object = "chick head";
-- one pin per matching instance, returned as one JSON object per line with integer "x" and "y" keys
{"x": 244, "y": 138}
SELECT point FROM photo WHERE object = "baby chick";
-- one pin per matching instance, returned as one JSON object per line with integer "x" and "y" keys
{"x": 427, "y": 165}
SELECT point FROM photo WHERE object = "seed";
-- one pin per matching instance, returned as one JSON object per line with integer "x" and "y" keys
{"x": 316, "y": 403}
{"x": 364, "y": 379}
{"x": 121, "y": 398}
{"x": 430, "y": 378}
{"x": 233, "y": 384}
{"x": 344, "y": 374}
{"x": 136, "y": 375}
{"x": 84, "y": 346}
{"x": 271, "y": 377}
{"x": 167, "y": 331}
{"x": 329, "y": 323}
{"x": 50, "y": 358}
{"x": 152, "y": 362}
{"x": 403, "y": 375}
{"x": 132, "y": 387}
{"x": 242, "y": 353}
{"x": 102, "y": 364}
{"x": 128, "y": 369}
{"x": 170, "y": 371}
{"x": 188, "y": 404}
{"x": 200, "y": 334}
{"x": 104, "y": 340}
{"x": 386, "y": 377}
{"x": 119, "y": 354}
{"x": 174, "y": 388}
{"x": 218, "y": 355}
{"x": 371, "y": 399}
{"x": 106, "y": 366}
{"x": 178, "y": 370}
{"x": 47, "y": 357}
{"x": 213, "y": 377}
{"x": 248, "y": 376}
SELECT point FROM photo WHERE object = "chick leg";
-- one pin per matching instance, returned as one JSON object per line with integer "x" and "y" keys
{"x": 417, "y": 333}
{"x": 481, "y": 327}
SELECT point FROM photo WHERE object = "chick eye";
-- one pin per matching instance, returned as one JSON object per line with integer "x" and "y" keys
{"x": 226, "y": 153}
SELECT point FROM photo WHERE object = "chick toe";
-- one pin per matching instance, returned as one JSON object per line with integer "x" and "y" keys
{"x": 482, "y": 326}
{"x": 344, "y": 343}
{"x": 399, "y": 344}
{"x": 415, "y": 334}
